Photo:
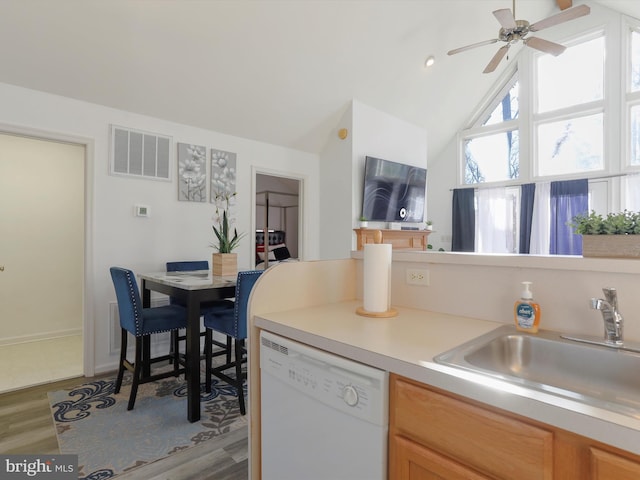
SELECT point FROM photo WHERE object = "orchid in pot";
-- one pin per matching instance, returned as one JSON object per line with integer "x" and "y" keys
{"x": 225, "y": 262}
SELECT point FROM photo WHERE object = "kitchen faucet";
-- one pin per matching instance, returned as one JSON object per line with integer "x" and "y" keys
{"x": 613, "y": 321}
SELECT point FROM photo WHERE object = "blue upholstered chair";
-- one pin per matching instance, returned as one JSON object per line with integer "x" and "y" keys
{"x": 232, "y": 323}
{"x": 141, "y": 323}
{"x": 209, "y": 307}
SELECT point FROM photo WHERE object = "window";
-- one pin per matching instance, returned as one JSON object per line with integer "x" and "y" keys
{"x": 491, "y": 146}
{"x": 568, "y": 140}
{"x": 558, "y": 119}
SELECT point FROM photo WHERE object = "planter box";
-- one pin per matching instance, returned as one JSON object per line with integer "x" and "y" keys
{"x": 611, "y": 246}
{"x": 224, "y": 263}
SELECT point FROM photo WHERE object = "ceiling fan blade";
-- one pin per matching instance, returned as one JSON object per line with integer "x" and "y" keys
{"x": 469, "y": 47}
{"x": 505, "y": 17}
{"x": 565, "y": 16}
{"x": 497, "y": 58}
{"x": 545, "y": 46}
{"x": 564, "y": 4}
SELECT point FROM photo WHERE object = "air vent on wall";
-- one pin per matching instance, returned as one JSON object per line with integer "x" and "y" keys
{"x": 140, "y": 154}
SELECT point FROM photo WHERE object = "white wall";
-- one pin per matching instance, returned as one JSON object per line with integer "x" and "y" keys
{"x": 336, "y": 185}
{"x": 486, "y": 287}
{"x": 371, "y": 132}
{"x": 175, "y": 230}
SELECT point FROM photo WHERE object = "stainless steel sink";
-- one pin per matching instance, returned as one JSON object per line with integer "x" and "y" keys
{"x": 598, "y": 375}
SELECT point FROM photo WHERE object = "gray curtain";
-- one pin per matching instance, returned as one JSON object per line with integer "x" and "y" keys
{"x": 527, "y": 194}
{"x": 463, "y": 220}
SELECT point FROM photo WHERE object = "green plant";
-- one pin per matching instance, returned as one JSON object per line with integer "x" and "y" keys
{"x": 428, "y": 223}
{"x": 622, "y": 223}
{"x": 226, "y": 243}
{"x": 362, "y": 219}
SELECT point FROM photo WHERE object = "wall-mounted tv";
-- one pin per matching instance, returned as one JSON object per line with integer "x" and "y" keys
{"x": 393, "y": 192}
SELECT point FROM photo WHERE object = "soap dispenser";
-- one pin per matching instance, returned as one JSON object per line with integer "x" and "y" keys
{"x": 526, "y": 312}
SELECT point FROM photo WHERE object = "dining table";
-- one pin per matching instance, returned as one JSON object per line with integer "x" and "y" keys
{"x": 193, "y": 289}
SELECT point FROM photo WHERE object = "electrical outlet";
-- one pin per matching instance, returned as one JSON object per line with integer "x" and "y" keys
{"x": 417, "y": 276}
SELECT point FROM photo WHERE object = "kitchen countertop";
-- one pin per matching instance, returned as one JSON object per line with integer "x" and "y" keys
{"x": 406, "y": 345}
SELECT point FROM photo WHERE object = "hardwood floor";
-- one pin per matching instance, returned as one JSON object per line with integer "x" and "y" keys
{"x": 26, "y": 427}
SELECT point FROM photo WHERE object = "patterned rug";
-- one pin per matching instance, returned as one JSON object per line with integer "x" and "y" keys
{"x": 93, "y": 422}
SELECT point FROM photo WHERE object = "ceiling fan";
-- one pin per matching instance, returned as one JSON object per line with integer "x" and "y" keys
{"x": 513, "y": 31}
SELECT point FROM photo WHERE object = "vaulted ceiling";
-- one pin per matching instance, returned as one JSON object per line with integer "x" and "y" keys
{"x": 278, "y": 71}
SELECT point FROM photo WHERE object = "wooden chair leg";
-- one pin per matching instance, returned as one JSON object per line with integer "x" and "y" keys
{"x": 228, "y": 349}
{"x": 137, "y": 369}
{"x": 123, "y": 357}
{"x": 239, "y": 380}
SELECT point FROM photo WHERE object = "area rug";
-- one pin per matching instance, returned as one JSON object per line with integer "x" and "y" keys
{"x": 93, "y": 422}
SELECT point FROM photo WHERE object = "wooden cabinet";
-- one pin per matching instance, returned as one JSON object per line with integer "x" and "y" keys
{"x": 609, "y": 466}
{"x": 437, "y": 435}
{"x": 399, "y": 239}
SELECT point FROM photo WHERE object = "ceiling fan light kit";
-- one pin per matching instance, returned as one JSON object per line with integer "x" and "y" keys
{"x": 513, "y": 31}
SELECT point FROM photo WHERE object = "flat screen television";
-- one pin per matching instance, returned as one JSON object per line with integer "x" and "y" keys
{"x": 393, "y": 192}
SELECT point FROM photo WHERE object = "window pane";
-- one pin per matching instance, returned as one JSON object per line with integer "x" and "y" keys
{"x": 635, "y": 135}
{"x": 573, "y": 78}
{"x": 571, "y": 146}
{"x": 635, "y": 61}
{"x": 492, "y": 158}
{"x": 507, "y": 109}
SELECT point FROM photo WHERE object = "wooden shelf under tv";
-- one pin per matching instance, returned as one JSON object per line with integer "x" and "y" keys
{"x": 399, "y": 239}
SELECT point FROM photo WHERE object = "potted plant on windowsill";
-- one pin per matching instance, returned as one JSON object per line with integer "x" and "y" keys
{"x": 364, "y": 223}
{"x": 225, "y": 262}
{"x": 615, "y": 236}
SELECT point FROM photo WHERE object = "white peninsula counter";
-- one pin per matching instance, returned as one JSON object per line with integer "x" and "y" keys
{"x": 315, "y": 302}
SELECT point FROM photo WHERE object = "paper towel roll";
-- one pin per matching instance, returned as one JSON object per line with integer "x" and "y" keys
{"x": 377, "y": 277}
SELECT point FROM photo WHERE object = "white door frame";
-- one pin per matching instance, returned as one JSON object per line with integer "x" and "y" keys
{"x": 88, "y": 330}
{"x": 302, "y": 244}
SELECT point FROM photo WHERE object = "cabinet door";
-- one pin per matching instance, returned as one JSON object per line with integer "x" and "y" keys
{"x": 415, "y": 462}
{"x": 488, "y": 442}
{"x": 607, "y": 466}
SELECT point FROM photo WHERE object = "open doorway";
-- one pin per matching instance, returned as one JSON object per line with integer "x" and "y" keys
{"x": 277, "y": 219}
{"x": 42, "y": 199}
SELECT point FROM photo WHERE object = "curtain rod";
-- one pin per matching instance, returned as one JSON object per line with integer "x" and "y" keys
{"x": 603, "y": 177}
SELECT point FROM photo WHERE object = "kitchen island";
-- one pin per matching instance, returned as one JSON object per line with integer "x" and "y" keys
{"x": 315, "y": 303}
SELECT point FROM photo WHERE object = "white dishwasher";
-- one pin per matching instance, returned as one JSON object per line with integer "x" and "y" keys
{"x": 323, "y": 417}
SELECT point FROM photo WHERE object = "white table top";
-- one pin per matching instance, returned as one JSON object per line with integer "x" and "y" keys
{"x": 195, "y": 280}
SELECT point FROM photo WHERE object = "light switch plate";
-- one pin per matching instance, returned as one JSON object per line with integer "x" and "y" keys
{"x": 142, "y": 211}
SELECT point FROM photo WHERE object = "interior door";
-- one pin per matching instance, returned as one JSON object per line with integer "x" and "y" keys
{"x": 278, "y": 207}
{"x": 41, "y": 238}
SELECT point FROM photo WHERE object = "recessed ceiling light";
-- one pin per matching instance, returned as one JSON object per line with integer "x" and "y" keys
{"x": 429, "y": 61}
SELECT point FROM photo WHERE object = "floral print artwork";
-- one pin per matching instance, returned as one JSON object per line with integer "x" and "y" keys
{"x": 192, "y": 173}
{"x": 223, "y": 183}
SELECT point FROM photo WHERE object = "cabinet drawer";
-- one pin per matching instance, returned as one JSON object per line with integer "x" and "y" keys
{"x": 494, "y": 444}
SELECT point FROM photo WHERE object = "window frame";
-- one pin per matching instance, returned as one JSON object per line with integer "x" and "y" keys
{"x": 630, "y": 99}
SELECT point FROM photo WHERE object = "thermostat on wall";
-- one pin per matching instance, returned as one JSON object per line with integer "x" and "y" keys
{"x": 142, "y": 211}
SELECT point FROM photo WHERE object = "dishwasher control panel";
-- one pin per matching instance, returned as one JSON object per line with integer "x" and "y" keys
{"x": 346, "y": 385}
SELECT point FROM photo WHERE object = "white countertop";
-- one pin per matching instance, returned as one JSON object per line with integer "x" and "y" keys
{"x": 406, "y": 345}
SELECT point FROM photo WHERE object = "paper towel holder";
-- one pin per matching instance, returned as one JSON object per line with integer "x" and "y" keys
{"x": 390, "y": 312}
